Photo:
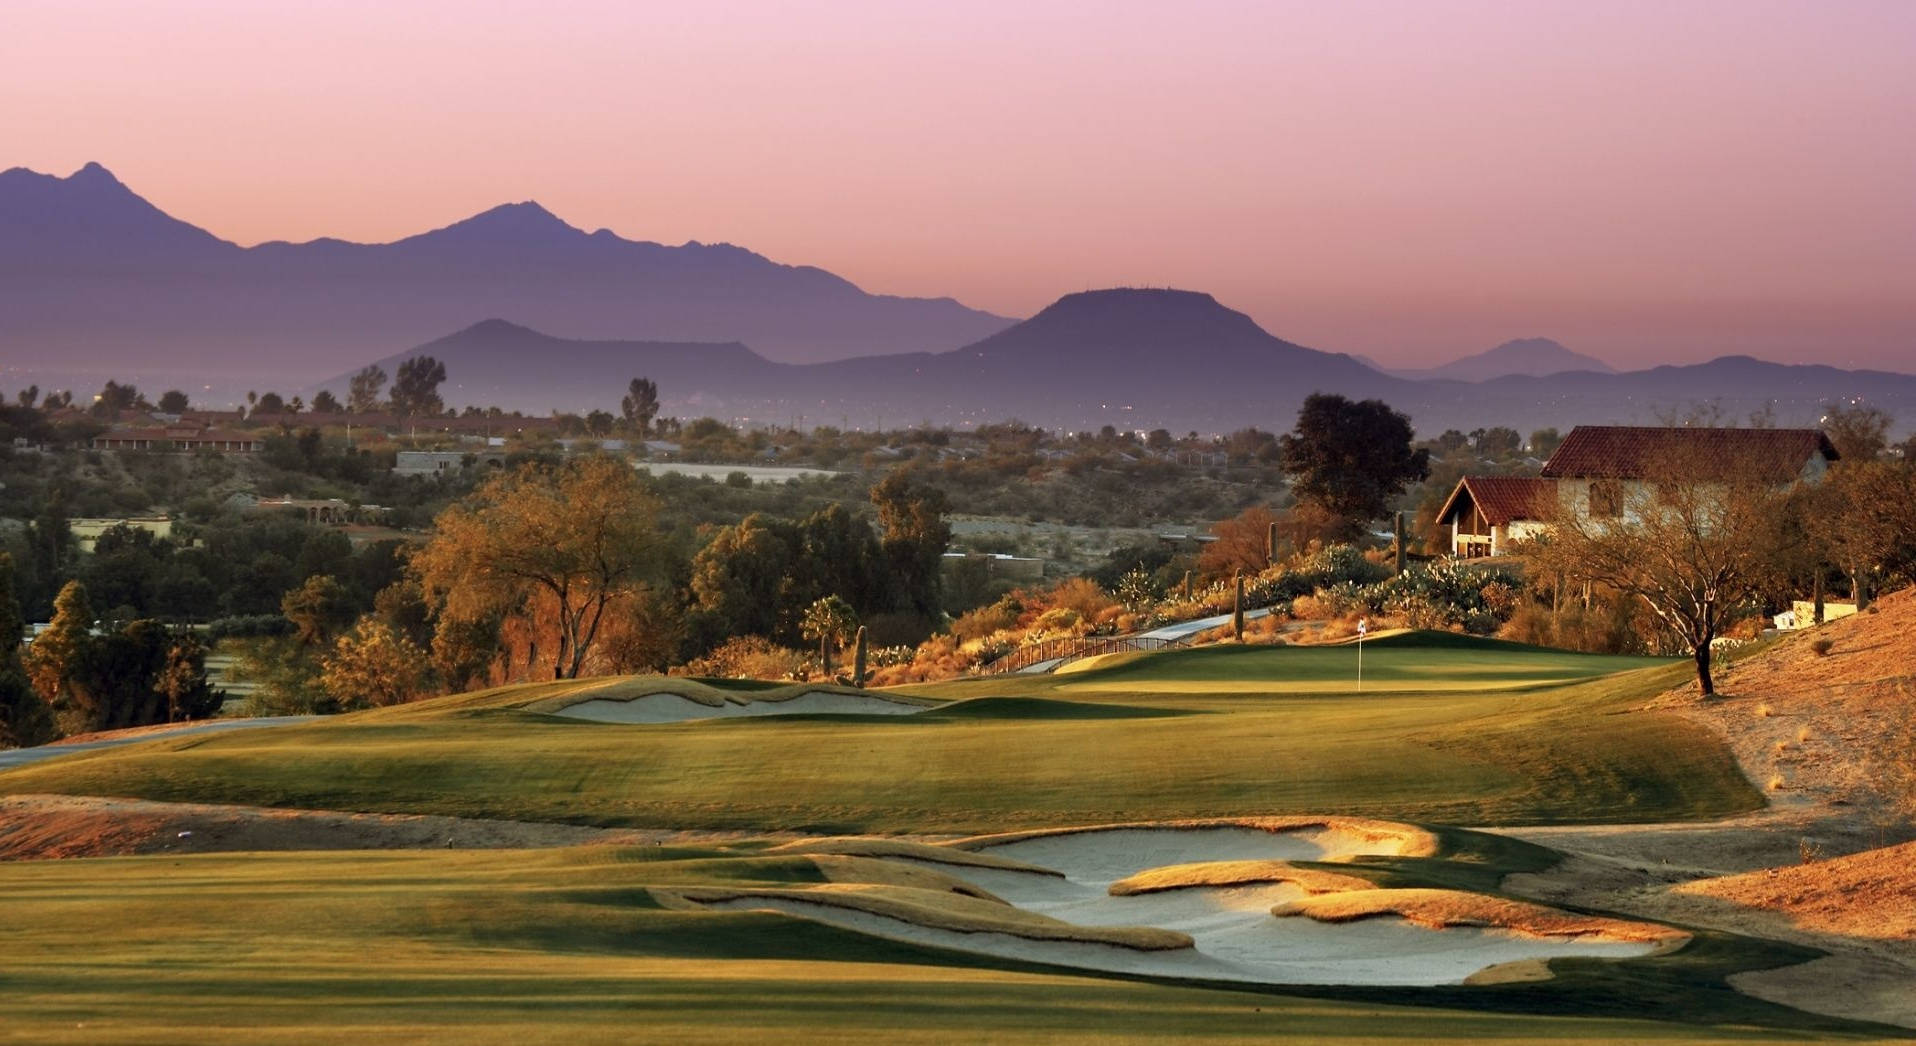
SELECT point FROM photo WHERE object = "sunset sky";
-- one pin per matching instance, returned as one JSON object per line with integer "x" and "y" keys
{"x": 1646, "y": 181}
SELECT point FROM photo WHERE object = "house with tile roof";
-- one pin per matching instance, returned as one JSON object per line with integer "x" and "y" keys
{"x": 1486, "y": 513}
{"x": 1602, "y": 471}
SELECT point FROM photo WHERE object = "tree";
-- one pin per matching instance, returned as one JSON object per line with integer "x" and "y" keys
{"x": 1862, "y": 520}
{"x": 58, "y": 654}
{"x": 1544, "y": 442}
{"x": 640, "y": 405}
{"x": 913, "y": 544}
{"x": 1860, "y": 432}
{"x": 1243, "y": 543}
{"x": 324, "y": 402}
{"x": 1496, "y": 442}
{"x": 25, "y": 718}
{"x": 363, "y": 388}
{"x": 416, "y": 389}
{"x": 182, "y": 681}
{"x": 827, "y": 622}
{"x": 1694, "y": 541}
{"x": 320, "y": 609}
{"x": 115, "y": 397}
{"x": 1351, "y": 458}
{"x": 373, "y": 666}
{"x": 579, "y": 535}
{"x": 270, "y": 403}
{"x": 173, "y": 401}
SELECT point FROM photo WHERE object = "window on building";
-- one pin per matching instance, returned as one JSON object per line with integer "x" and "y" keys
{"x": 1606, "y": 499}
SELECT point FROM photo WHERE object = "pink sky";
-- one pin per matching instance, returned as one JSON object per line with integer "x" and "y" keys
{"x": 1648, "y": 181}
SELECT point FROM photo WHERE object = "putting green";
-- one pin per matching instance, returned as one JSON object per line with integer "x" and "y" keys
{"x": 1413, "y": 662}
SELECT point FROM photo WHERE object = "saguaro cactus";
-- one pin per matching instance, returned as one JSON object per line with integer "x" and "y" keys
{"x": 858, "y": 659}
{"x": 1237, "y": 609}
{"x": 1270, "y": 545}
{"x": 1398, "y": 544}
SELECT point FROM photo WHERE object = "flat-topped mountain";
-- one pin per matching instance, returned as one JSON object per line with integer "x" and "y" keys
{"x": 1535, "y": 357}
{"x": 90, "y": 268}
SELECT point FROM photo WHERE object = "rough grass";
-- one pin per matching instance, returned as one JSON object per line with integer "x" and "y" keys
{"x": 1459, "y": 756}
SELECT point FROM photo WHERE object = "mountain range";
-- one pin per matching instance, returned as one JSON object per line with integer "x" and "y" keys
{"x": 1131, "y": 358}
{"x": 90, "y": 271}
{"x": 89, "y": 267}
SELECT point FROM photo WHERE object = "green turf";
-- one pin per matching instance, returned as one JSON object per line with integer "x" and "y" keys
{"x": 1455, "y": 755}
{"x": 1418, "y": 662}
{"x": 569, "y": 946}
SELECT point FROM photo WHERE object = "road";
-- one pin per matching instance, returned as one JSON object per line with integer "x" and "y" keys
{"x": 12, "y": 757}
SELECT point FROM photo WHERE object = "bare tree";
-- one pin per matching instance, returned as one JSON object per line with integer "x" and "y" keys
{"x": 1694, "y": 540}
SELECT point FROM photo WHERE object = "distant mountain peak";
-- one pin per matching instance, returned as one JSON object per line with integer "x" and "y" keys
{"x": 526, "y": 223}
{"x": 94, "y": 171}
{"x": 1532, "y": 357}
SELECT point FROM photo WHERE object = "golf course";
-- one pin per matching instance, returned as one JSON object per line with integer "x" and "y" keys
{"x": 1228, "y": 843}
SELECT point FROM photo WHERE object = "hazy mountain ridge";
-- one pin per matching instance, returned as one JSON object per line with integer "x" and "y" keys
{"x": 93, "y": 268}
{"x": 1132, "y": 358}
{"x": 1534, "y": 357}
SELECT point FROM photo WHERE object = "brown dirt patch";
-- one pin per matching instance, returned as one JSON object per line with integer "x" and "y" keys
{"x": 1870, "y": 894}
{"x": 40, "y": 827}
{"x": 1820, "y": 728}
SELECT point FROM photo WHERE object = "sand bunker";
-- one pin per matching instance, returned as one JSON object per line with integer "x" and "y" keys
{"x": 672, "y": 708}
{"x": 1215, "y": 886}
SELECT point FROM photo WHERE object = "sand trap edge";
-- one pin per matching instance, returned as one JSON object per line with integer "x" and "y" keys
{"x": 1414, "y": 841}
{"x": 871, "y": 846}
{"x": 1214, "y": 874}
{"x": 1440, "y": 909}
{"x": 956, "y": 913}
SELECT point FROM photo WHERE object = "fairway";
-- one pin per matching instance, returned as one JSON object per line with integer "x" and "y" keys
{"x": 572, "y": 946}
{"x": 1448, "y": 755}
{"x": 597, "y": 943}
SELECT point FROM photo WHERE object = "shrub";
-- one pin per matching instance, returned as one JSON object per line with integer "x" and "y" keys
{"x": 1822, "y": 647}
{"x": 982, "y": 622}
{"x": 748, "y": 657}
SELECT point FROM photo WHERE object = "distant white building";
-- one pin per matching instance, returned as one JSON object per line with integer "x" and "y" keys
{"x": 436, "y": 462}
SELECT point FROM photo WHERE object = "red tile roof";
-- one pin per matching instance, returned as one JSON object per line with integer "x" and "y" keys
{"x": 1629, "y": 452}
{"x": 1503, "y": 498}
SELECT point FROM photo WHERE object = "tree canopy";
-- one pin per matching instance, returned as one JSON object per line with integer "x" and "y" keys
{"x": 416, "y": 389}
{"x": 567, "y": 540}
{"x": 1351, "y": 458}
